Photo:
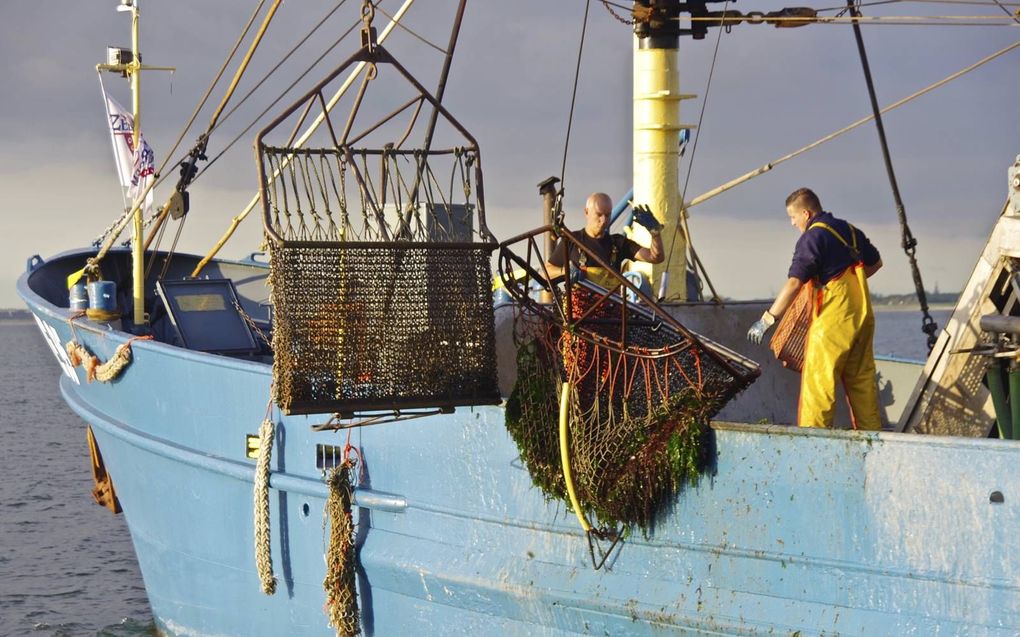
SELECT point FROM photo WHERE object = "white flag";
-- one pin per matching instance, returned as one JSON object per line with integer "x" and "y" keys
{"x": 135, "y": 167}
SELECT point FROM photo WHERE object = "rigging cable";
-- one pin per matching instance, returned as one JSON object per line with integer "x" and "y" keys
{"x": 178, "y": 204}
{"x": 158, "y": 235}
{"x": 287, "y": 90}
{"x": 778, "y": 20}
{"x": 690, "y": 168}
{"x": 1014, "y": 15}
{"x": 237, "y": 219}
{"x": 864, "y": 120}
{"x": 558, "y": 206}
{"x": 118, "y": 226}
{"x": 982, "y": 3}
{"x": 907, "y": 241}
{"x": 412, "y": 32}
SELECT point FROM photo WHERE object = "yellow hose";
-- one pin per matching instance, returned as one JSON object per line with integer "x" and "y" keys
{"x": 565, "y": 457}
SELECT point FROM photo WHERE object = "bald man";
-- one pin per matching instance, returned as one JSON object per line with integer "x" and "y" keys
{"x": 613, "y": 249}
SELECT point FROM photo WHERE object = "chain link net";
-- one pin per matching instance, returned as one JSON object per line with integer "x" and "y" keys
{"x": 381, "y": 326}
{"x": 341, "y": 557}
{"x": 643, "y": 390}
{"x": 379, "y": 279}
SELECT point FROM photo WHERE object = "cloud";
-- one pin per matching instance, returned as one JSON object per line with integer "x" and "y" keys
{"x": 772, "y": 92}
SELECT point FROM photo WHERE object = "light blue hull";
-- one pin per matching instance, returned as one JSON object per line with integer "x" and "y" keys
{"x": 797, "y": 532}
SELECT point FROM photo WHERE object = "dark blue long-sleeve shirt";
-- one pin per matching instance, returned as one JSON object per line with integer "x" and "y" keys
{"x": 818, "y": 254}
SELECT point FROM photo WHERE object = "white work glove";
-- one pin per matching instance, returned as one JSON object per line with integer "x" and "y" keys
{"x": 757, "y": 332}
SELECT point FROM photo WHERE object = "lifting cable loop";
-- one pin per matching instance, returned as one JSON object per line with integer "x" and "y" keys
{"x": 908, "y": 242}
{"x": 558, "y": 208}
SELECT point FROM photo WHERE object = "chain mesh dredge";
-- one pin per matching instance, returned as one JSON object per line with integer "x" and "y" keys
{"x": 379, "y": 260}
{"x": 341, "y": 557}
{"x": 642, "y": 391}
{"x": 382, "y": 325}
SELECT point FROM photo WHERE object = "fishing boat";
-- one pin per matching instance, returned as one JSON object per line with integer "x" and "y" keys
{"x": 362, "y": 432}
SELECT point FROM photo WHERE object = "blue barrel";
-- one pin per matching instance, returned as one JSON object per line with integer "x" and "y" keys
{"x": 79, "y": 297}
{"x": 103, "y": 296}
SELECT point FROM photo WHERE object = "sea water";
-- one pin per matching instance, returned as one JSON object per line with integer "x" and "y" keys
{"x": 67, "y": 567}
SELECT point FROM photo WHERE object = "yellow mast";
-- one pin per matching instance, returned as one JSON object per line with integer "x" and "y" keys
{"x": 656, "y": 144}
{"x": 132, "y": 69}
{"x": 137, "y": 251}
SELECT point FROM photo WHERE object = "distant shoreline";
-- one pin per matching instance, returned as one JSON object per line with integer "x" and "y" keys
{"x": 904, "y": 307}
{"x": 15, "y": 315}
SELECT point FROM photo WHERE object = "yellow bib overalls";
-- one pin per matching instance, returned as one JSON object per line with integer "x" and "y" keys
{"x": 839, "y": 348}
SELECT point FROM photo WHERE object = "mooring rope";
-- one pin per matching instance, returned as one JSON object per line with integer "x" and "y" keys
{"x": 263, "y": 549}
{"x": 96, "y": 370}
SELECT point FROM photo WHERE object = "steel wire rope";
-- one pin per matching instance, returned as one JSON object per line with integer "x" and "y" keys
{"x": 936, "y": 20}
{"x": 761, "y": 170}
{"x": 251, "y": 204}
{"x": 197, "y": 152}
{"x": 122, "y": 222}
{"x": 841, "y": 9}
{"x": 690, "y": 168}
{"x": 159, "y": 216}
{"x": 308, "y": 70}
{"x": 907, "y": 241}
{"x": 609, "y": 4}
{"x": 1014, "y": 15}
{"x": 412, "y": 32}
{"x": 275, "y": 67}
{"x": 558, "y": 206}
{"x": 981, "y": 3}
{"x": 283, "y": 93}
{"x": 984, "y": 3}
{"x": 171, "y": 251}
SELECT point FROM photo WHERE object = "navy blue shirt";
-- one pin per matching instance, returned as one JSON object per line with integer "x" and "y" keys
{"x": 820, "y": 255}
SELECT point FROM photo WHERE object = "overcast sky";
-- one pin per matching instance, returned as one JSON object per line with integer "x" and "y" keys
{"x": 772, "y": 92}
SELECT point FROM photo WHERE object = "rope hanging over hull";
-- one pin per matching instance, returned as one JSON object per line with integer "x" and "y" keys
{"x": 95, "y": 369}
{"x": 263, "y": 537}
{"x": 341, "y": 557}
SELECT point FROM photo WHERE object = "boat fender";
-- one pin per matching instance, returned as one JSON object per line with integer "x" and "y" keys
{"x": 103, "y": 492}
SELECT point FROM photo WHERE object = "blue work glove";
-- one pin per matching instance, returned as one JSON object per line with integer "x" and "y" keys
{"x": 757, "y": 332}
{"x": 643, "y": 216}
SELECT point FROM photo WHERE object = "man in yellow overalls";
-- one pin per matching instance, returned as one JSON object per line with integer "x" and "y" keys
{"x": 611, "y": 248}
{"x": 836, "y": 259}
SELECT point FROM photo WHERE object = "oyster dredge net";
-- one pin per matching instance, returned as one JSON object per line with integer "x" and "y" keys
{"x": 641, "y": 389}
{"x": 379, "y": 257}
